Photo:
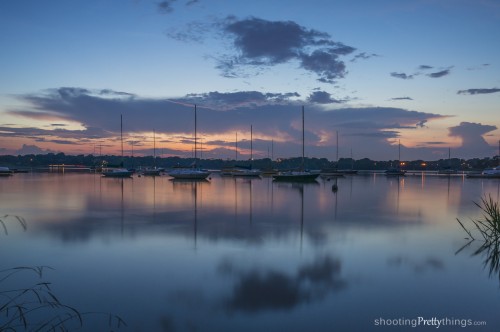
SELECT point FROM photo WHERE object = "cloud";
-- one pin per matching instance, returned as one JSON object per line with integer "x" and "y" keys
{"x": 322, "y": 97}
{"x": 192, "y": 32}
{"x": 424, "y": 67}
{"x": 31, "y": 149}
{"x": 401, "y": 75}
{"x": 473, "y": 143}
{"x": 480, "y": 67}
{"x": 220, "y": 100}
{"x": 439, "y": 73}
{"x": 165, "y": 6}
{"x": 478, "y": 91}
{"x": 363, "y": 56}
{"x": 274, "y": 116}
{"x": 401, "y": 98}
{"x": 261, "y": 43}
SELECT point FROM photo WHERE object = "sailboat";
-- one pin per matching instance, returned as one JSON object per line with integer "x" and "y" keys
{"x": 352, "y": 170}
{"x": 118, "y": 172}
{"x": 447, "y": 170}
{"x": 192, "y": 173}
{"x": 301, "y": 175}
{"x": 247, "y": 171}
{"x": 334, "y": 171}
{"x": 229, "y": 170}
{"x": 153, "y": 171}
{"x": 396, "y": 171}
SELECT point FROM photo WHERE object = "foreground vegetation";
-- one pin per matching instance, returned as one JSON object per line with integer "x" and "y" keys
{"x": 27, "y": 302}
{"x": 487, "y": 230}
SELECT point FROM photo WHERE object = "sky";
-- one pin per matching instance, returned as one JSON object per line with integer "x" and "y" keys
{"x": 422, "y": 75}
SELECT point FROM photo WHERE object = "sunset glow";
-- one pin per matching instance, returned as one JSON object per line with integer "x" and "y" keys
{"x": 72, "y": 69}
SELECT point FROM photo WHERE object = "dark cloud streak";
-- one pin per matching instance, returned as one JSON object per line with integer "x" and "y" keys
{"x": 322, "y": 97}
{"x": 401, "y": 75}
{"x": 478, "y": 91}
{"x": 439, "y": 74}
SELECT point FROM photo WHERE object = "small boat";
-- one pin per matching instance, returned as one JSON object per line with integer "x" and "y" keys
{"x": 152, "y": 171}
{"x": 396, "y": 171}
{"x": 245, "y": 171}
{"x": 487, "y": 173}
{"x": 5, "y": 171}
{"x": 189, "y": 173}
{"x": 117, "y": 173}
{"x": 493, "y": 172}
{"x": 192, "y": 173}
{"x": 301, "y": 175}
{"x": 269, "y": 171}
{"x": 331, "y": 173}
{"x": 227, "y": 171}
{"x": 447, "y": 170}
{"x": 295, "y": 176}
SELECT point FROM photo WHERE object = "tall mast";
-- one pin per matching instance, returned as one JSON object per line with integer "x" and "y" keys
{"x": 272, "y": 148}
{"x": 337, "y": 148}
{"x": 154, "y": 148}
{"x": 399, "y": 151}
{"x": 121, "y": 133}
{"x": 236, "y": 144}
{"x": 352, "y": 161}
{"x": 251, "y": 143}
{"x": 195, "y": 137}
{"x": 303, "y": 137}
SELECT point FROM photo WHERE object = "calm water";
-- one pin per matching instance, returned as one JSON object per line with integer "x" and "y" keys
{"x": 253, "y": 255}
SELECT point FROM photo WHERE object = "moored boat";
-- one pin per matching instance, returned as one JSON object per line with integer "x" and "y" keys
{"x": 152, "y": 171}
{"x": 189, "y": 173}
{"x": 193, "y": 172}
{"x": 295, "y": 176}
{"x": 5, "y": 171}
{"x": 301, "y": 175}
{"x": 487, "y": 173}
{"x": 117, "y": 173}
{"x": 396, "y": 171}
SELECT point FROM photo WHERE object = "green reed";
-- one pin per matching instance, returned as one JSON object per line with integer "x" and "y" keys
{"x": 488, "y": 228}
{"x": 489, "y": 225}
{"x": 22, "y": 306}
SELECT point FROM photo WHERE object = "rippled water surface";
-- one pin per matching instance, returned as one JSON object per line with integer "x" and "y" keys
{"x": 253, "y": 255}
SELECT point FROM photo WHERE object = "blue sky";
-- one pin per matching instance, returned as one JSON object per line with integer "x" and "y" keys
{"x": 425, "y": 73}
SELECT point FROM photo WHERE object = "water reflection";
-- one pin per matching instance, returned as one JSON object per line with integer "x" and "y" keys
{"x": 271, "y": 289}
{"x": 268, "y": 255}
{"x": 157, "y": 204}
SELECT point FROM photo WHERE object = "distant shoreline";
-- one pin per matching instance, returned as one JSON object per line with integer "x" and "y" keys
{"x": 26, "y": 162}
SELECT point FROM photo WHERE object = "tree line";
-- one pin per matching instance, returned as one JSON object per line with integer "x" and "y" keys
{"x": 31, "y": 161}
